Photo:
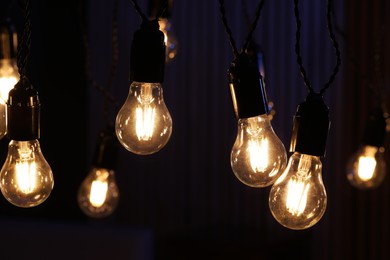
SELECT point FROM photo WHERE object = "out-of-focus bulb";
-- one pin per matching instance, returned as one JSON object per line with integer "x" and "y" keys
{"x": 258, "y": 157}
{"x": 143, "y": 124}
{"x": 169, "y": 39}
{"x": 26, "y": 179}
{"x": 367, "y": 167}
{"x": 98, "y": 194}
{"x": 297, "y": 199}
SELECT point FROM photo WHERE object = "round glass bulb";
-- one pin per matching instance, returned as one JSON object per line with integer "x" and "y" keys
{"x": 258, "y": 157}
{"x": 98, "y": 194}
{"x": 366, "y": 168}
{"x": 26, "y": 179}
{"x": 9, "y": 76}
{"x": 297, "y": 199}
{"x": 143, "y": 124}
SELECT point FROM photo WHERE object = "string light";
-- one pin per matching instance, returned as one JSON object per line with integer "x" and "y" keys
{"x": 26, "y": 179}
{"x": 143, "y": 124}
{"x": 298, "y": 198}
{"x": 258, "y": 156}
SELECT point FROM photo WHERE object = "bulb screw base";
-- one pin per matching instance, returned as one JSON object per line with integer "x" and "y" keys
{"x": 23, "y": 112}
{"x": 147, "y": 60}
{"x": 311, "y": 126}
{"x": 247, "y": 88}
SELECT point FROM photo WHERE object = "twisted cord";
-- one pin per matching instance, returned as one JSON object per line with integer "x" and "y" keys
{"x": 333, "y": 39}
{"x": 105, "y": 91}
{"x": 23, "y": 49}
{"x": 227, "y": 28}
{"x": 258, "y": 12}
{"x": 138, "y": 9}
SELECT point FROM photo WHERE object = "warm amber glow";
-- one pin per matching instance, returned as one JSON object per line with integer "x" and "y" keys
{"x": 258, "y": 152}
{"x": 99, "y": 187}
{"x": 297, "y": 196}
{"x": 26, "y": 174}
{"x": 366, "y": 167}
{"x": 145, "y": 122}
{"x": 6, "y": 84}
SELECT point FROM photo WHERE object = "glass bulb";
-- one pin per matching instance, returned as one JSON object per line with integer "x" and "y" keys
{"x": 143, "y": 124}
{"x": 9, "y": 76}
{"x": 26, "y": 179}
{"x": 258, "y": 157}
{"x": 98, "y": 194}
{"x": 367, "y": 167}
{"x": 169, "y": 39}
{"x": 297, "y": 199}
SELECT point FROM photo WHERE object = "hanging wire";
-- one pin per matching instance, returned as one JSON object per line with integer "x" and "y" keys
{"x": 229, "y": 31}
{"x": 23, "y": 49}
{"x": 142, "y": 14}
{"x": 298, "y": 48}
{"x": 106, "y": 89}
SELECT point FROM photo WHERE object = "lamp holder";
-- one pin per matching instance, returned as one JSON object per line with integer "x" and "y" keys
{"x": 107, "y": 149}
{"x": 375, "y": 129}
{"x": 247, "y": 88}
{"x": 23, "y": 112}
{"x": 311, "y": 126}
{"x": 8, "y": 40}
{"x": 147, "y": 60}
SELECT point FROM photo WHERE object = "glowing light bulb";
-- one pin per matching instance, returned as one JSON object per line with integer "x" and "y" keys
{"x": 258, "y": 157}
{"x": 144, "y": 124}
{"x": 26, "y": 179}
{"x": 98, "y": 194}
{"x": 169, "y": 39}
{"x": 367, "y": 167}
{"x": 297, "y": 199}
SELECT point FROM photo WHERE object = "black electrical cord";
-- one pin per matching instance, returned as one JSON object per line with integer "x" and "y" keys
{"x": 229, "y": 31}
{"x": 23, "y": 48}
{"x": 298, "y": 48}
{"x": 105, "y": 90}
{"x": 142, "y": 14}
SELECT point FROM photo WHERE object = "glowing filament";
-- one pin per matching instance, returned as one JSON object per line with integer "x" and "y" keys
{"x": 258, "y": 152}
{"x": 145, "y": 122}
{"x": 99, "y": 187}
{"x": 297, "y": 196}
{"x": 26, "y": 174}
{"x": 366, "y": 167}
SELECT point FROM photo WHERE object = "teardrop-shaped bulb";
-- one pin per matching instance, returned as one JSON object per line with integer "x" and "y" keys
{"x": 26, "y": 179}
{"x": 98, "y": 194}
{"x": 258, "y": 157}
{"x": 366, "y": 168}
{"x": 143, "y": 124}
{"x": 9, "y": 76}
{"x": 297, "y": 199}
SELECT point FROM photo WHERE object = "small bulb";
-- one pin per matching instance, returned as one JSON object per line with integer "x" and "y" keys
{"x": 26, "y": 179}
{"x": 258, "y": 157}
{"x": 143, "y": 124}
{"x": 297, "y": 199}
{"x": 169, "y": 39}
{"x": 367, "y": 167}
{"x": 9, "y": 76}
{"x": 98, "y": 194}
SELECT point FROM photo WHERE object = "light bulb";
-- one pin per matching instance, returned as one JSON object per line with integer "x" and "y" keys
{"x": 367, "y": 167}
{"x": 98, "y": 194}
{"x": 143, "y": 124}
{"x": 26, "y": 179}
{"x": 258, "y": 157}
{"x": 169, "y": 39}
{"x": 297, "y": 199}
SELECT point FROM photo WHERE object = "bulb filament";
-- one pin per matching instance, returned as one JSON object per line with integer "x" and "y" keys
{"x": 99, "y": 188}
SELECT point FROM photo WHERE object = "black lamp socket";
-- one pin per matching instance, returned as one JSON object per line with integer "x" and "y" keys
{"x": 375, "y": 129}
{"x": 247, "y": 88}
{"x": 107, "y": 149}
{"x": 311, "y": 126}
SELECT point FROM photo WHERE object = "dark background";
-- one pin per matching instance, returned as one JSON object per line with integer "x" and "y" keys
{"x": 184, "y": 202}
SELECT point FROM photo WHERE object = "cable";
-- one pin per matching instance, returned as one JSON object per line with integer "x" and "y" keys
{"x": 23, "y": 49}
{"x": 142, "y": 14}
{"x": 298, "y": 49}
{"x": 229, "y": 31}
